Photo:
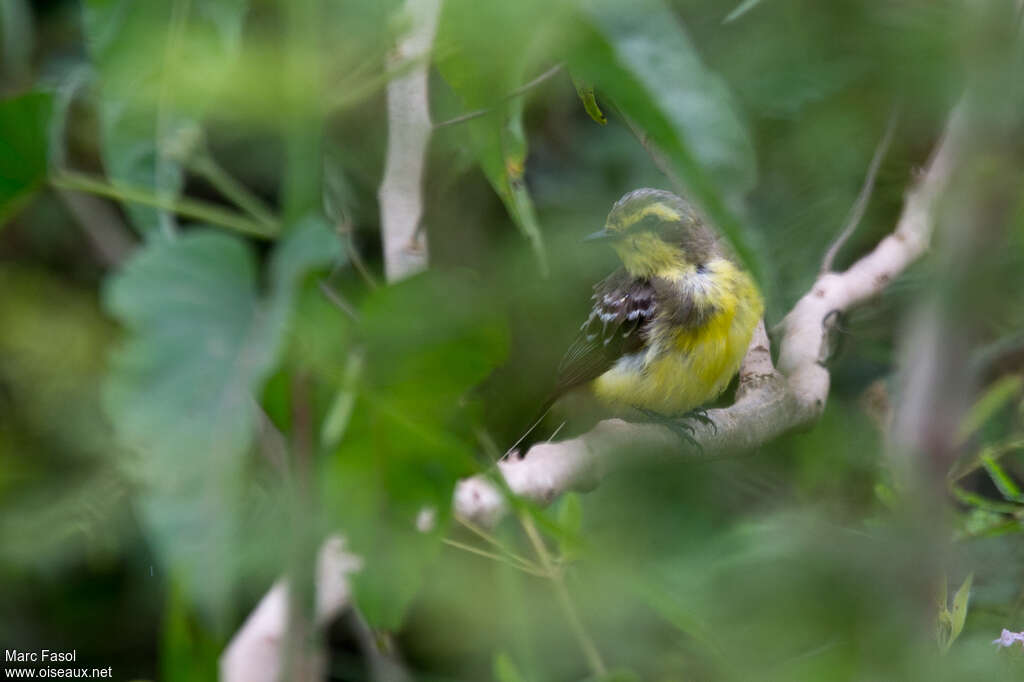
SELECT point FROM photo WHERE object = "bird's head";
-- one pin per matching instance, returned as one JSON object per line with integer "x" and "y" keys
{"x": 657, "y": 233}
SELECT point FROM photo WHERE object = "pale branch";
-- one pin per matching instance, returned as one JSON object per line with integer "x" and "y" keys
{"x": 255, "y": 652}
{"x": 769, "y": 401}
{"x": 409, "y": 127}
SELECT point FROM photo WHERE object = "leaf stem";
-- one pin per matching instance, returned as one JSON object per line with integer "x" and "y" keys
{"x": 487, "y": 537}
{"x": 189, "y": 208}
{"x": 590, "y": 651}
{"x": 206, "y": 167}
{"x": 521, "y": 90}
{"x": 526, "y": 568}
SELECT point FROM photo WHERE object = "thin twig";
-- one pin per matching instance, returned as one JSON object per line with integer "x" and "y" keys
{"x": 557, "y": 431}
{"x": 525, "y": 568}
{"x": 860, "y": 205}
{"x": 346, "y": 229}
{"x": 205, "y": 166}
{"x": 487, "y": 537}
{"x": 590, "y": 651}
{"x": 189, "y": 208}
{"x": 351, "y": 95}
{"x": 336, "y": 298}
{"x": 272, "y": 443}
{"x": 521, "y": 90}
{"x": 660, "y": 162}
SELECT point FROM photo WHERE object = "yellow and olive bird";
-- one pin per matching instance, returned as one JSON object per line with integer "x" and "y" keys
{"x": 669, "y": 329}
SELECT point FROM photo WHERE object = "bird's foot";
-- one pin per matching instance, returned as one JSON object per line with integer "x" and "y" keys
{"x": 701, "y": 415}
{"x": 682, "y": 425}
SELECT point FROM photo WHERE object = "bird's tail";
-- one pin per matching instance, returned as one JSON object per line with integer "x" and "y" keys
{"x": 534, "y": 423}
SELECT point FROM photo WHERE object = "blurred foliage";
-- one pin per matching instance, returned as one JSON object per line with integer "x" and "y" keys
{"x": 181, "y": 426}
{"x": 23, "y": 151}
{"x": 202, "y": 341}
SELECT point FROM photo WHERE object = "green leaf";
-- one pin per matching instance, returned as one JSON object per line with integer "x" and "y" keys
{"x": 638, "y": 55}
{"x": 505, "y": 670}
{"x": 994, "y": 399}
{"x": 144, "y": 53}
{"x": 586, "y": 94}
{"x": 201, "y": 340}
{"x": 482, "y": 72}
{"x": 428, "y": 341}
{"x": 188, "y": 651}
{"x": 959, "y": 612}
{"x": 23, "y": 148}
{"x": 1008, "y": 488}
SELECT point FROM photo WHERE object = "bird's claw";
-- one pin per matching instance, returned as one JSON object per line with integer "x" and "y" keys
{"x": 701, "y": 415}
{"x": 682, "y": 426}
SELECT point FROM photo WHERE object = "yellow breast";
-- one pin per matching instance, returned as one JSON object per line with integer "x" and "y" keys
{"x": 683, "y": 368}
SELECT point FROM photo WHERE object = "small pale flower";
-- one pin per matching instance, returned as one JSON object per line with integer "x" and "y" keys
{"x": 1008, "y": 638}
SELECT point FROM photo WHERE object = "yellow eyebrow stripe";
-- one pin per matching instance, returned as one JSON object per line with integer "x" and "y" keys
{"x": 661, "y": 210}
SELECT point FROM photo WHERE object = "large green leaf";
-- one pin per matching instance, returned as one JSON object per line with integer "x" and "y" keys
{"x": 23, "y": 147}
{"x": 201, "y": 340}
{"x": 483, "y": 71}
{"x": 428, "y": 341}
{"x": 638, "y": 54}
{"x": 144, "y": 52}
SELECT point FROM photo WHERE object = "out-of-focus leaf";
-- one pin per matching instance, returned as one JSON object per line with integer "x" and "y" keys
{"x": 951, "y": 622}
{"x": 138, "y": 49}
{"x": 23, "y": 148}
{"x": 959, "y": 611}
{"x": 639, "y": 56}
{"x": 428, "y": 341}
{"x": 994, "y": 399}
{"x": 17, "y": 39}
{"x": 482, "y": 71}
{"x": 301, "y": 185}
{"x": 740, "y": 10}
{"x": 201, "y": 340}
{"x": 586, "y": 94}
{"x": 1008, "y": 488}
{"x": 188, "y": 652}
{"x": 505, "y": 670}
{"x": 979, "y": 522}
{"x": 620, "y": 675}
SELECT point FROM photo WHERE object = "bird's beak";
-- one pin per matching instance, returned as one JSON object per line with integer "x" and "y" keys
{"x": 602, "y": 235}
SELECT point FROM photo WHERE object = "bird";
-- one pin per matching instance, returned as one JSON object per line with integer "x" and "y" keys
{"x": 668, "y": 329}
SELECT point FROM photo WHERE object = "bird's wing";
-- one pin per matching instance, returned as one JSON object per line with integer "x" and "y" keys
{"x": 624, "y": 307}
